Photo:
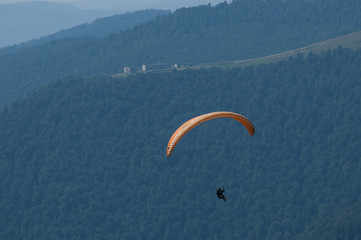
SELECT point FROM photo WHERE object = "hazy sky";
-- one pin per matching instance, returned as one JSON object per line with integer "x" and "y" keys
{"x": 126, "y": 5}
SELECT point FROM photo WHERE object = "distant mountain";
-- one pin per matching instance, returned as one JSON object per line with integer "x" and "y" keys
{"x": 100, "y": 27}
{"x": 104, "y": 26}
{"x": 226, "y": 32}
{"x": 21, "y": 22}
{"x": 136, "y": 5}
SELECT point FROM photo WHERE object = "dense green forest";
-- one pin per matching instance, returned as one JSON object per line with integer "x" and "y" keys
{"x": 85, "y": 158}
{"x": 238, "y": 30}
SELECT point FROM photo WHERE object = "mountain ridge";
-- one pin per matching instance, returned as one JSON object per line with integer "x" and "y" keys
{"x": 98, "y": 28}
{"x": 21, "y": 22}
{"x": 203, "y": 34}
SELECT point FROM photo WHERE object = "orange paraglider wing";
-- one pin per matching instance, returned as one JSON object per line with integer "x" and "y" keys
{"x": 190, "y": 124}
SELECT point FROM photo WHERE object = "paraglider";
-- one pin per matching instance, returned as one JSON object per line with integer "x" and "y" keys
{"x": 190, "y": 124}
{"x": 220, "y": 195}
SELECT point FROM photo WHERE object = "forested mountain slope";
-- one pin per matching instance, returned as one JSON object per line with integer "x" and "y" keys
{"x": 86, "y": 158}
{"x": 23, "y": 21}
{"x": 239, "y": 30}
{"x": 100, "y": 27}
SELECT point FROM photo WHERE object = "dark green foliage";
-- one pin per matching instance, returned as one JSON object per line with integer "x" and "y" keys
{"x": 240, "y": 30}
{"x": 86, "y": 158}
{"x": 344, "y": 224}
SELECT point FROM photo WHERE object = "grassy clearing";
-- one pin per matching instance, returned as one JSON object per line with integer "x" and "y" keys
{"x": 352, "y": 41}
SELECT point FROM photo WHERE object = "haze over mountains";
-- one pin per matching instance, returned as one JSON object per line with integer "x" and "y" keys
{"x": 28, "y": 20}
{"x": 99, "y": 28}
{"x": 21, "y": 22}
{"x": 83, "y": 148}
{"x": 125, "y": 5}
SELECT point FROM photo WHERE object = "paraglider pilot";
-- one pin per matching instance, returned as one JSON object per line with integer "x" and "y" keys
{"x": 220, "y": 194}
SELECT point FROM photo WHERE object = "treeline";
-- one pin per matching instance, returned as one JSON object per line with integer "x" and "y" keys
{"x": 86, "y": 158}
{"x": 239, "y": 30}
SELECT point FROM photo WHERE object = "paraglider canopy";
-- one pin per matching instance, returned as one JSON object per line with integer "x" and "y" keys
{"x": 190, "y": 124}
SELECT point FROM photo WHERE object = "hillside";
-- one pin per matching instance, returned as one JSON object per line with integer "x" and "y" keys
{"x": 205, "y": 34}
{"x": 99, "y": 28}
{"x": 102, "y": 27}
{"x": 351, "y": 41}
{"x": 85, "y": 158}
{"x": 21, "y": 22}
{"x": 137, "y": 5}
{"x": 343, "y": 224}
